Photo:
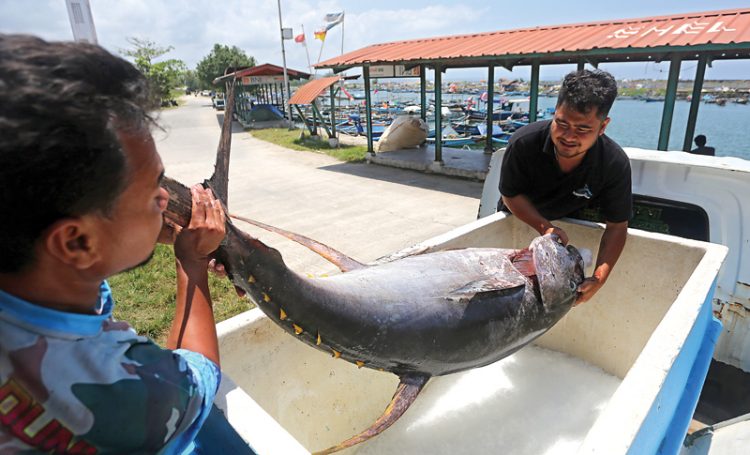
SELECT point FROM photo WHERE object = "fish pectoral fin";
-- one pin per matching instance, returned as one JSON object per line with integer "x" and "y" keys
{"x": 493, "y": 284}
{"x": 406, "y": 392}
{"x": 337, "y": 258}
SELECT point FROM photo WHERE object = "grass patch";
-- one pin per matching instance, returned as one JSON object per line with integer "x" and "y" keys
{"x": 291, "y": 139}
{"x": 145, "y": 297}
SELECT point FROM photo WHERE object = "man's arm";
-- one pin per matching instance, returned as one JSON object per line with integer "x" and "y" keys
{"x": 522, "y": 208}
{"x": 610, "y": 247}
{"x": 193, "y": 327}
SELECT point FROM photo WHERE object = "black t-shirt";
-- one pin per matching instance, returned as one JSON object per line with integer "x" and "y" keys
{"x": 602, "y": 179}
{"x": 704, "y": 150}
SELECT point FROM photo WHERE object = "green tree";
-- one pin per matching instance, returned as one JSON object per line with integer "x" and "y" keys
{"x": 218, "y": 60}
{"x": 163, "y": 76}
{"x": 192, "y": 82}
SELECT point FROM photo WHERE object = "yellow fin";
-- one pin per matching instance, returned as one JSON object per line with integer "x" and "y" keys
{"x": 318, "y": 341}
{"x": 251, "y": 279}
{"x": 282, "y": 314}
{"x": 266, "y": 297}
{"x": 297, "y": 329}
{"x": 360, "y": 363}
{"x": 336, "y": 354}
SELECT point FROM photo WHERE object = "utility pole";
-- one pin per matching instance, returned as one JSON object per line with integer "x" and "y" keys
{"x": 283, "y": 59}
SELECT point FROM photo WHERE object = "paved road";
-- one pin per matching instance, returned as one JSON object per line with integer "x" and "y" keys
{"x": 363, "y": 210}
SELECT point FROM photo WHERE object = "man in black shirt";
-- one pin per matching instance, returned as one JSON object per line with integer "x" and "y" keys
{"x": 552, "y": 169}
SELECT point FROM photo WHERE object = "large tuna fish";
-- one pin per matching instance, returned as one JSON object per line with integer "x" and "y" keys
{"x": 417, "y": 317}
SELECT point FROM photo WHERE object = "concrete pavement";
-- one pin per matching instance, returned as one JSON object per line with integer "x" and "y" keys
{"x": 364, "y": 210}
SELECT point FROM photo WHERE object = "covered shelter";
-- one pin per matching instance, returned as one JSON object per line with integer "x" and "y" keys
{"x": 306, "y": 96}
{"x": 701, "y": 36}
{"x": 259, "y": 92}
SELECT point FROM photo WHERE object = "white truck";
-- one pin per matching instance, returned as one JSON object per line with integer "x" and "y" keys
{"x": 619, "y": 375}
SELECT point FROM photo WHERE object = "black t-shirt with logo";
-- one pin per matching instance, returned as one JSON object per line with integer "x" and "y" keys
{"x": 602, "y": 180}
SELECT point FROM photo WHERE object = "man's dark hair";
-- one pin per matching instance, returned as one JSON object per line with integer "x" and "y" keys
{"x": 61, "y": 104}
{"x": 700, "y": 140}
{"x": 585, "y": 90}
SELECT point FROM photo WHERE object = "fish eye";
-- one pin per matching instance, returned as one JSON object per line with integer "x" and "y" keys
{"x": 573, "y": 285}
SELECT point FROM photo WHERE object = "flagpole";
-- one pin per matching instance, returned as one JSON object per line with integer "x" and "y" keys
{"x": 343, "y": 19}
{"x": 320, "y": 54}
{"x": 283, "y": 59}
{"x": 307, "y": 52}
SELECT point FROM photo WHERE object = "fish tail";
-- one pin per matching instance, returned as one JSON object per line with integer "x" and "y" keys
{"x": 406, "y": 392}
{"x": 219, "y": 182}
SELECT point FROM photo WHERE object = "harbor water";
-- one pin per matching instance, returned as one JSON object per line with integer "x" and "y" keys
{"x": 636, "y": 123}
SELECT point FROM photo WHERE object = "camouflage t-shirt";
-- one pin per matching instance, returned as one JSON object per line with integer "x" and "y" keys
{"x": 85, "y": 383}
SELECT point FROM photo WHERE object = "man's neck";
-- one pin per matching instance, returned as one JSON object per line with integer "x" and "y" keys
{"x": 71, "y": 294}
{"x": 568, "y": 164}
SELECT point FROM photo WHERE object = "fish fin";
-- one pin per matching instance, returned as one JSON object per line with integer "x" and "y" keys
{"x": 219, "y": 181}
{"x": 339, "y": 259}
{"x": 408, "y": 389}
{"x": 494, "y": 284}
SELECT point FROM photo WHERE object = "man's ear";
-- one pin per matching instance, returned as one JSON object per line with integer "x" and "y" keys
{"x": 604, "y": 126}
{"x": 73, "y": 241}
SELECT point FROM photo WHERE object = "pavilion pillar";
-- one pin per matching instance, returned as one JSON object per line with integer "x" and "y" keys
{"x": 581, "y": 66}
{"x": 368, "y": 109}
{"x": 671, "y": 96}
{"x": 438, "y": 114}
{"x": 490, "y": 105}
{"x": 695, "y": 101}
{"x": 534, "y": 89}
{"x": 333, "y": 113}
{"x": 423, "y": 92}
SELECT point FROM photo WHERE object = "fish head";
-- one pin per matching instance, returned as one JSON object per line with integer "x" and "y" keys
{"x": 559, "y": 271}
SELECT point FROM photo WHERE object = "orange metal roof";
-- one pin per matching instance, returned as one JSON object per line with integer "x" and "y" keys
{"x": 268, "y": 69}
{"x": 308, "y": 92}
{"x": 724, "y": 27}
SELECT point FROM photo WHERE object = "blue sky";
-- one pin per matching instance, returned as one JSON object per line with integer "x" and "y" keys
{"x": 192, "y": 27}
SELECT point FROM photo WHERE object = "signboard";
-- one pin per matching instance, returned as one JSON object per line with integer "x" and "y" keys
{"x": 258, "y": 80}
{"x": 286, "y": 33}
{"x": 384, "y": 71}
{"x": 81, "y": 21}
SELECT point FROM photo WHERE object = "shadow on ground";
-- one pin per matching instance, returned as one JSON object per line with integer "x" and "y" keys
{"x": 236, "y": 126}
{"x": 446, "y": 184}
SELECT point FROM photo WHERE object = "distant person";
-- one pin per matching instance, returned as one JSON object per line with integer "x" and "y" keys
{"x": 554, "y": 168}
{"x": 82, "y": 200}
{"x": 700, "y": 141}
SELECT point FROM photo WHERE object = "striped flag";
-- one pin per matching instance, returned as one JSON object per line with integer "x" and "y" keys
{"x": 333, "y": 19}
{"x": 321, "y": 34}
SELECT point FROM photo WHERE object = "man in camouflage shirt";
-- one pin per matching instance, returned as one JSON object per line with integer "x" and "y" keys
{"x": 81, "y": 200}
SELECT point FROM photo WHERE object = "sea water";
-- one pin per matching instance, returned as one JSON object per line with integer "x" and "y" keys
{"x": 535, "y": 402}
{"x": 636, "y": 123}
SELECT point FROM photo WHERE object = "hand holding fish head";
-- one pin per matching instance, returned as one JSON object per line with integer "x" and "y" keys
{"x": 559, "y": 270}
